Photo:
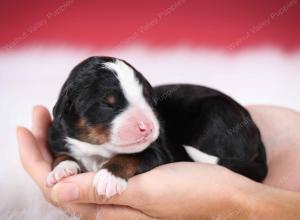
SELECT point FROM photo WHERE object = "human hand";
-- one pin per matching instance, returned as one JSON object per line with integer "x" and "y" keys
{"x": 172, "y": 197}
{"x": 280, "y": 129}
{"x": 146, "y": 193}
{"x": 36, "y": 160}
{"x": 173, "y": 191}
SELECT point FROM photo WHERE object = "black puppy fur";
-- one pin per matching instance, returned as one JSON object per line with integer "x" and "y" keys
{"x": 213, "y": 123}
{"x": 189, "y": 115}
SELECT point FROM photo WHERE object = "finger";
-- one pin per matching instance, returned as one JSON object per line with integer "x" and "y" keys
{"x": 110, "y": 212}
{"x": 31, "y": 158}
{"x": 104, "y": 212}
{"x": 41, "y": 121}
{"x": 79, "y": 189}
{"x": 83, "y": 211}
{"x": 35, "y": 165}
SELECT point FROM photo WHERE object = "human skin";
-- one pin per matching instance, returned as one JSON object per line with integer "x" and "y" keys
{"x": 182, "y": 190}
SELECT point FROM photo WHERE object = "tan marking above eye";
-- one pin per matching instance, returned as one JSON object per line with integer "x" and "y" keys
{"x": 111, "y": 99}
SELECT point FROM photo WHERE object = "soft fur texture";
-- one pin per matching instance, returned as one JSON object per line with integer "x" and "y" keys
{"x": 107, "y": 104}
{"x": 33, "y": 76}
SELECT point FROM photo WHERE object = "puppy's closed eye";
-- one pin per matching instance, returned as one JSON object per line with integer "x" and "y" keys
{"x": 111, "y": 100}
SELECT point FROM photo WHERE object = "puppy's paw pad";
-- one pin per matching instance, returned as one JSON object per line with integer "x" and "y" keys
{"x": 108, "y": 184}
{"x": 62, "y": 170}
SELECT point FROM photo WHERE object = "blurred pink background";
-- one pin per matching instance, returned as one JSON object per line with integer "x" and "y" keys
{"x": 104, "y": 24}
{"x": 247, "y": 49}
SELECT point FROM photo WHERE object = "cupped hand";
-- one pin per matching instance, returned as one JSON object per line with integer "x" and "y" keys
{"x": 167, "y": 191}
{"x": 36, "y": 160}
{"x": 280, "y": 129}
{"x": 172, "y": 190}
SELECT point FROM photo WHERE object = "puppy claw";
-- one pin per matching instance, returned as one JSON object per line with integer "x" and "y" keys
{"x": 108, "y": 184}
{"x": 62, "y": 170}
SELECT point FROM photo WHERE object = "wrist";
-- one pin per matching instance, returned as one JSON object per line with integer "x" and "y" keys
{"x": 249, "y": 202}
{"x": 245, "y": 200}
{"x": 230, "y": 199}
{"x": 238, "y": 205}
{"x": 263, "y": 202}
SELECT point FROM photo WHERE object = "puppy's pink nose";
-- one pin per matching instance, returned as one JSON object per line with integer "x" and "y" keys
{"x": 145, "y": 128}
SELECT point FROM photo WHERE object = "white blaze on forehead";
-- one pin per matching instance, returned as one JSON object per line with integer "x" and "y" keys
{"x": 130, "y": 85}
{"x": 133, "y": 92}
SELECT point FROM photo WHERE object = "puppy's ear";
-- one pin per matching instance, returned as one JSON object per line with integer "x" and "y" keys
{"x": 62, "y": 105}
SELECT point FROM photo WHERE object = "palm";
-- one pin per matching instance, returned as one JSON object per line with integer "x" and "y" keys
{"x": 280, "y": 131}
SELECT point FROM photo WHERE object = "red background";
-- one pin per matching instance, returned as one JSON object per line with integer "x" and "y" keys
{"x": 98, "y": 24}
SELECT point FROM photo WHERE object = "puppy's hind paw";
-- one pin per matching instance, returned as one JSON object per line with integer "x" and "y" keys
{"x": 62, "y": 170}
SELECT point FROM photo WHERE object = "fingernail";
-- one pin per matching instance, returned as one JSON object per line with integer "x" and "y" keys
{"x": 65, "y": 192}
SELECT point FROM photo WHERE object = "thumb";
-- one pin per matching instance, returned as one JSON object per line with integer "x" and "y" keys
{"x": 80, "y": 189}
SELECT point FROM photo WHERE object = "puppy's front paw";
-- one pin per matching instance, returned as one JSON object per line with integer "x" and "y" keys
{"x": 62, "y": 170}
{"x": 108, "y": 184}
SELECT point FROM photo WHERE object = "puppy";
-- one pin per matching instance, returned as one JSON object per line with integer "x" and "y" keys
{"x": 109, "y": 119}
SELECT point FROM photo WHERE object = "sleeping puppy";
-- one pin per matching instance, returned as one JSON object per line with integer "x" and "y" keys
{"x": 109, "y": 119}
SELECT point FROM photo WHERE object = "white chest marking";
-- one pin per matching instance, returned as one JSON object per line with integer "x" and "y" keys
{"x": 91, "y": 156}
{"x": 199, "y": 156}
{"x": 81, "y": 148}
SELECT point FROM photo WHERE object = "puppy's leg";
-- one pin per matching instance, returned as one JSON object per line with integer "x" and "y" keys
{"x": 112, "y": 178}
{"x": 254, "y": 170}
{"x": 199, "y": 156}
{"x": 63, "y": 166}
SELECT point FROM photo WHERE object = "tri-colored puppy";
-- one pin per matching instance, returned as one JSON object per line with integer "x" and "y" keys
{"x": 110, "y": 120}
